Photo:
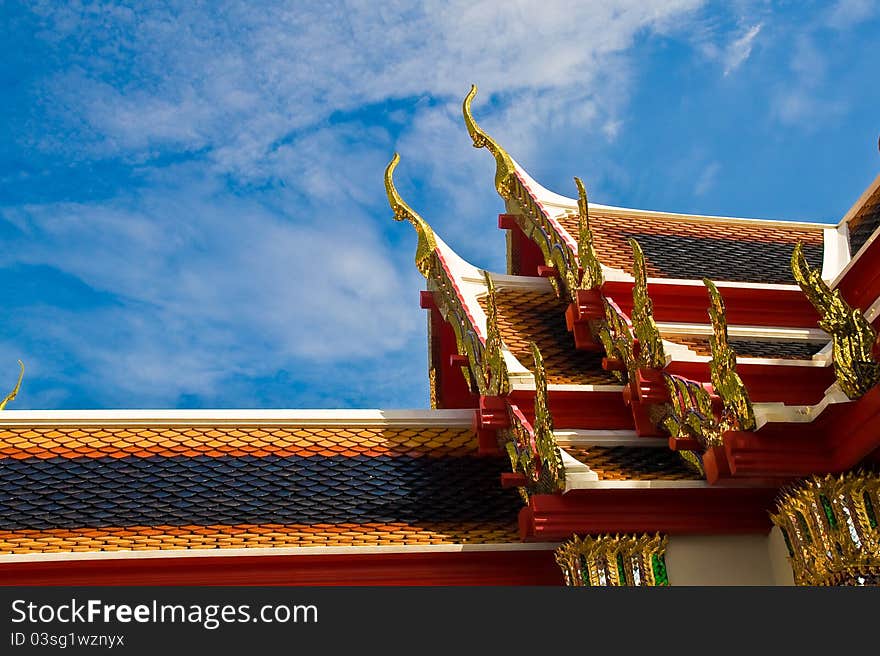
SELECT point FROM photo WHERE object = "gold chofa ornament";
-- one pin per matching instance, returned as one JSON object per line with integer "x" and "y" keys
{"x": 851, "y": 334}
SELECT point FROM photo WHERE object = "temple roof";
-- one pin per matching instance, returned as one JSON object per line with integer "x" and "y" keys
{"x": 114, "y": 484}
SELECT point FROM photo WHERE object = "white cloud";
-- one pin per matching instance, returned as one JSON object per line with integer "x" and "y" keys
{"x": 739, "y": 50}
{"x": 216, "y": 284}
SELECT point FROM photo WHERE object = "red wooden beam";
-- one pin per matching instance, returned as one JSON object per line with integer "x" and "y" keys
{"x": 689, "y": 303}
{"x": 674, "y": 511}
{"x": 521, "y": 567}
{"x": 860, "y": 285}
{"x": 579, "y": 409}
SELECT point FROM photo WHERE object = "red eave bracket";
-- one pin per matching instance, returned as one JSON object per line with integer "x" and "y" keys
{"x": 673, "y": 511}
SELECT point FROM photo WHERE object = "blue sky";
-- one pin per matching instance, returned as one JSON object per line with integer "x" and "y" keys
{"x": 191, "y": 202}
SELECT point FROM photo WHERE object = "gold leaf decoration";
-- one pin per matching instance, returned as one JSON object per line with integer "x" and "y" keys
{"x": 496, "y": 380}
{"x": 614, "y": 560}
{"x": 504, "y": 168}
{"x": 852, "y": 335}
{"x": 691, "y": 412}
{"x": 829, "y": 525}
{"x": 651, "y": 353}
{"x": 553, "y": 470}
{"x": 11, "y": 396}
{"x": 427, "y": 244}
{"x": 738, "y": 413}
{"x": 589, "y": 262}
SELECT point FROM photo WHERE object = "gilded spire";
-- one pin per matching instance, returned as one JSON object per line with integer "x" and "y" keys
{"x": 587, "y": 258}
{"x": 651, "y": 352}
{"x": 497, "y": 382}
{"x": 503, "y": 164}
{"x": 11, "y": 396}
{"x": 727, "y": 383}
{"x": 553, "y": 469}
{"x": 852, "y": 336}
{"x": 427, "y": 244}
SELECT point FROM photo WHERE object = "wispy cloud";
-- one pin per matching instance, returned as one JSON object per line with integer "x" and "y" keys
{"x": 739, "y": 49}
{"x": 250, "y": 235}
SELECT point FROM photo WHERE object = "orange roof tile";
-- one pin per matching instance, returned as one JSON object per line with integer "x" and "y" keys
{"x": 525, "y": 316}
{"x": 215, "y": 441}
{"x": 138, "y": 538}
{"x": 622, "y": 463}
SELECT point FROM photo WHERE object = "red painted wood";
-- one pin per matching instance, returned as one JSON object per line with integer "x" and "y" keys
{"x": 860, "y": 285}
{"x": 457, "y": 568}
{"x": 714, "y": 510}
{"x": 794, "y": 385}
{"x": 507, "y": 222}
{"x": 587, "y": 410}
{"x": 527, "y": 256}
{"x": 451, "y": 386}
{"x": 842, "y": 437}
{"x": 689, "y": 303}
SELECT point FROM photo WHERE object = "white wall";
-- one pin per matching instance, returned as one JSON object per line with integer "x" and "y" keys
{"x": 728, "y": 560}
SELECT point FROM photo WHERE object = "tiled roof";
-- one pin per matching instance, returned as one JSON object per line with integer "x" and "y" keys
{"x": 754, "y": 348}
{"x": 225, "y": 440}
{"x": 247, "y": 536}
{"x": 525, "y": 316}
{"x": 619, "y": 463}
{"x": 692, "y": 249}
{"x": 864, "y": 223}
{"x": 93, "y": 487}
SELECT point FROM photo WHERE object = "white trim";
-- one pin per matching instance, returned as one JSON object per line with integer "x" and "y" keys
{"x": 526, "y": 386}
{"x": 780, "y": 413}
{"x": 866, "y": 194}
{"x": 873, "y": 310}
{"x": 452, "y": 418}
{"x": 836, "y": 255}
{"x": 619, "y": 275}
{"x": 527, "y": 283}
{"x": 274, "y": 551}
{"x": 575, "y": 482}
{"x": 574, "y": 467}
{"x": 577, "y": 438}
{"x": 757, "y": 333}
{"x": 472, "y": 285}
{"x": 854, "y": 257}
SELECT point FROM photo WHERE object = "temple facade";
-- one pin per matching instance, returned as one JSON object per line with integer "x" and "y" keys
{"x": 642, "y": 398}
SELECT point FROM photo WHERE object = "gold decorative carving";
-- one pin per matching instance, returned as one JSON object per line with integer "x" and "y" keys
{"x": 618, "y": 341}
{"x": 503, "y": 164}
{"x": 737, "y": 413}
{"x": 852, "y": 335}
{"x": 830, "y": 528}
{"x": 651, "y": 354}
{"x": 427, "y": 244}
{"x": 11, "y": 396}
{"x": 496, "y": 382}
{"x": 587, "y": 259}
{"x": 532, "y": 448}
{"x": 691, "y": 412}
{"x": 618, "y": 560}
{"x": 552, "y": 468}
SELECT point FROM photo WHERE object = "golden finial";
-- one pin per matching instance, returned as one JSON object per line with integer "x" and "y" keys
{"x": 587, "y": 258}
{"x": 11, "y": 396}
{"x": 427, "y": 244}
{"x": 503, "y": 164}
{"x": 852, "y": 336}
{"x": 553, "y": 469}
{"x": 651, "y": 352}
{"x": 497, "y": 382}
{"x": 738, "y": 413}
